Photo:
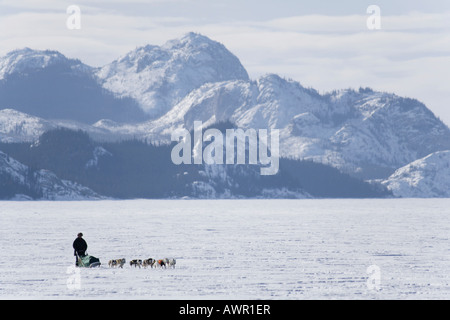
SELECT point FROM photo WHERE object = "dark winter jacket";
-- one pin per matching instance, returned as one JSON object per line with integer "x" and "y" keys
{"x": 80, "y": 247}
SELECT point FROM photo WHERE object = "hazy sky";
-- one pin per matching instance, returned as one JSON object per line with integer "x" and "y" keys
{"x": 322, "y": 44}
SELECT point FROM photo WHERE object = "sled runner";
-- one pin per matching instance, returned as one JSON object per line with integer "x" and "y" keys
{"x": 88, "y": 261}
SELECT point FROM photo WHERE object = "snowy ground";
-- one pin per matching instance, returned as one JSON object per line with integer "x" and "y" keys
{"x": 238, "y": 249}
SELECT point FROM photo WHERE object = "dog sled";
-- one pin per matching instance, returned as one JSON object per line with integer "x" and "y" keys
{"x": 88, "y": 261}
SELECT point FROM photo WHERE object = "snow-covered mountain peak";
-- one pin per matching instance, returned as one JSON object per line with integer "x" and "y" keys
{"x": 189, "y": 40}
{"x": 135, "y": 61}
{"x": 426, "y": 177}
{"x": 18, "y": 126}
{"x": 11, "y": 113}
{"x": 274, "y": 86}
{"x": 26, "y": 59}
{"x": 105, "y": 123}
{"x": 280, "y": 99}
{"x": 159, "y": 77}
{"x": 183, "y": 48}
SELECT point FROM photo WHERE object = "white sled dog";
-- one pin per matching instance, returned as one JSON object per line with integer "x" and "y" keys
{"x": 170, "y": 262}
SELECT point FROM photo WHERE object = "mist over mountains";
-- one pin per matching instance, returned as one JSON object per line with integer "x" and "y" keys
{"x": 153, "y": 90}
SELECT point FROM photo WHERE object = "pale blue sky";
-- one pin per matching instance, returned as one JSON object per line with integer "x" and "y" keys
{"x": 233, "y": 9}
{"x": 322, "y": 44}
{"x": 270, "y": 9}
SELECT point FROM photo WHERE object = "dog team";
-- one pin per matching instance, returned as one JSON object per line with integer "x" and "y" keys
{"x": 161, "y": 263}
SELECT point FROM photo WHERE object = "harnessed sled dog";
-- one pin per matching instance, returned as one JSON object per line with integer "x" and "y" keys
{"x": 116, "y": 263}
{"x": 166, "y": 263}
{"x": 170, "y": 262}
{"x": 149, "y": 263}
{"x": 136, "y": 263}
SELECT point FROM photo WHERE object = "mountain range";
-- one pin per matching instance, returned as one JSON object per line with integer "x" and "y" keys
{"x": 153, "y": 90}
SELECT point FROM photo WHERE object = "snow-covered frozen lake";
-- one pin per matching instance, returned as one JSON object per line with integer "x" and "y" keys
{"x": 230, "y": 249}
